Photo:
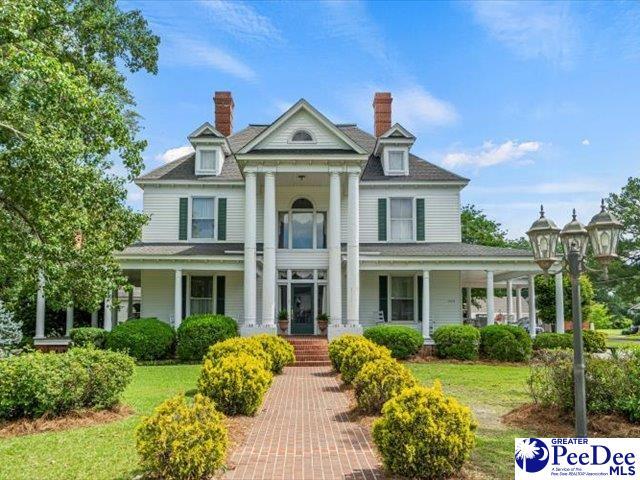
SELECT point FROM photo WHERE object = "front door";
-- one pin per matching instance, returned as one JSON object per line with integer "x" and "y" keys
{"x": 302, "y": 309}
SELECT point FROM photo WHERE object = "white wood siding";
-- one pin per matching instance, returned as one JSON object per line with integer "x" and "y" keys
{"x": 162, "y": 204}
{"x": 157, "y": 294}
{"x": 442, "y": 211}
{"x": 324, "y": 138}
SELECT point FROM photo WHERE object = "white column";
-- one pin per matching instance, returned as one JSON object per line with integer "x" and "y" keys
{"x": 426, "y": 319}
{"x": 250, "y": 291}
{"x": 40, "y": 307}
{"x": 518, "y": 303}
{"x": 333, "y": 240}
{"x": 353, "y": 251}
{"x": 107, "y": 325}
{"x": 269, "y": 252}
{"x": 490, "y": 301}
{"x": 559, "y": 304}
{"x": 94, "y": 319}
{"x": 69, "y": 324}
{"x": 177, "y": 298}
{"x": 469, "y": 302}
{"x": 509, "y": 300}
{"x": 532, "y": 306}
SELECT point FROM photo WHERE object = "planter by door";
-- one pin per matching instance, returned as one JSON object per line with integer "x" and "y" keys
{"x": 302, "y": 309}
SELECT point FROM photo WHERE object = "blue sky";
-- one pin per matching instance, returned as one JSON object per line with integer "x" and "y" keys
{"x": 535, "y": 102}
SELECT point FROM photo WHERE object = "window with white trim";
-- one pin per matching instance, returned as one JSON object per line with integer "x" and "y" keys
{"x": 302, "y": 136}
{"x": 402, "y": 299}
{"x": 401, "y": 219}
{"x": 302, "y": 227}
{"x": 207, "y": 159}
{"x": 201, "y": 295}
{"x": 203, "y": 217}
{"x": 396, "y": 160}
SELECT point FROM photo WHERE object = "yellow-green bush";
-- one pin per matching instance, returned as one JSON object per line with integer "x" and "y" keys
{"x": 379, "y": 381}
{"x": 424, "y": 434}
{"x": 359, "y": 353}
{"x": 236, "y": 345}
{"x": 182, "y": 441}
{"x": 280, "y": 351}
{"x": 236, "y": 383}
{"x": 338, "y": 345}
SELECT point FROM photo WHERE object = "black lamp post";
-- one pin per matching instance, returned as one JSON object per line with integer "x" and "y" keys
{"x": 603, "y": 231}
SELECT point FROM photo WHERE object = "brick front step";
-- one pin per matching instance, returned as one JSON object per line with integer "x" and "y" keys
{"x": 312, "y": 364}
{"x": 310, "y": 351}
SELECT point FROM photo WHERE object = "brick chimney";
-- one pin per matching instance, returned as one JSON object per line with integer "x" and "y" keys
{"x": 381, "y": 112}
{"x": 223, "y": 112}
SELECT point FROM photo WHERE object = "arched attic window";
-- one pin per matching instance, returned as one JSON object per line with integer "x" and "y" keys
{"x": 302, "y": 136}
{"x": 302, "y": 226}
{"x": 302, "y": 203}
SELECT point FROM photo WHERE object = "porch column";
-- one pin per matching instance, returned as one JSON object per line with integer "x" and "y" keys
{"x": 107, "y": 325}
{"x": 532, "y": 306}
{"x": 130, "y": 304}
{"x": 353, "y": 251}
{"x": 333, "y": 240}
{"x": 250, "y": 249}
{"x": 177, "y": 298}
{"x": 490, "y": 301}
{"x": 509, "y": 300}
{"x": 269, "y": 252}
{"x": 94, "y": 319}
{"x": 559, "y": 304}
{"x": 40, "y": 307}
{"x": 468, "y": 293}
{"x": 518, "y": 303}
{"x": 426, "y": 320}
{"x": 69, "y": 324}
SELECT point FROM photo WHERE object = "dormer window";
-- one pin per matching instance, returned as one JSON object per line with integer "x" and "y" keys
{"x": 302, "y": 136}
{"x": 208, "y": 161}
{"x": 396, "y": 161}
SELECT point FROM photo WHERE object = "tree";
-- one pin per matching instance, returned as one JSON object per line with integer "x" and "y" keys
{"x": 65, "y": 113}
{"x": 546, "y": 297}
{"x": 10, "y": 330}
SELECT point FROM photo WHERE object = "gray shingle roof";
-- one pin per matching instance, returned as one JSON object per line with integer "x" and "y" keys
{"x": 182, "y": 249}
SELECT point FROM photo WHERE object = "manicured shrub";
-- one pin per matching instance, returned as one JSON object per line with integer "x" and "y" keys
{"x": 379, "y": 381}
{"x": 338, "y": 345}
{"x": 109, "y": 374}
{"x": 88, "y": 337}
{"x": 236, "y": 383}
{"x": 235, "y": 346}
{"x": 402, "y": 341}
{"x": 424, "y": 434}
{"x": 280, "y": 351}
{"x": 505, "y": 343}
{"x": 198, "y": 332}
{"x": 359, "y": 353}
{"x": 143, "y": 339}
{"x": 550, "y": 341}
{"x": 182, "y": 441}
{"x": 594, "y": 341}
{"x": 461, "y": 342}
{"x": 37, "y": 384}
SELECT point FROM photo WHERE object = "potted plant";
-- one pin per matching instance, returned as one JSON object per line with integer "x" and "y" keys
{"x": 283, "y": 320}
{"x": 323, "y": 322}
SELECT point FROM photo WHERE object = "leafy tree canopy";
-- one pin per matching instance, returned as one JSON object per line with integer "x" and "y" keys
{"x": 546, "y": 297}
{"x": 65, "y": 113}
{"x": 478, "y": 229}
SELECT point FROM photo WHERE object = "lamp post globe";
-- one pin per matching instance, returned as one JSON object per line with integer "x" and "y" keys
{"x": 604, "y": 231}
{"x": 543, "y": 236}
{"x": 574, "y": 236}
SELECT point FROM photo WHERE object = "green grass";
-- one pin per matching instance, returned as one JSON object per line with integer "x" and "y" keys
{"x": 616, "y": 339}
{"x": 490, "y": 391}
{"x": 99, "y": 452}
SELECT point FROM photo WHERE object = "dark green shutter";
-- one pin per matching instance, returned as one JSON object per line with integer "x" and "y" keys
{"x": 184, "y": 297}
{"x": 220, "y": 294}
{"x": 382, "y": 219}
{"x": 420, "y": 288}
{"x": 222, "y": 219}
{"x": 383, "y": 295}
{"x": 184, "y": 218}
{"x": 420, "y": 219}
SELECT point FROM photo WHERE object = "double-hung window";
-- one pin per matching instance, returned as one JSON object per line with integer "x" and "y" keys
{"x": 401, "y": 219}
{"x": 396, "y": 160}
{"x": 402, "y": 304}
{"x": 202, "y": 217}
{"x": 201, "y": 295}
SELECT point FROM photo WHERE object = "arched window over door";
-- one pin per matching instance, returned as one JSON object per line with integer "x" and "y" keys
{"x": 302, "y": 227}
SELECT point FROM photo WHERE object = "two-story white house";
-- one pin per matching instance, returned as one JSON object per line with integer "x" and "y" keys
{"x": 311, "y": 217}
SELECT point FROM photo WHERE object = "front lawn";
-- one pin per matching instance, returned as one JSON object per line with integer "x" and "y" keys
{"x": 616, "y": 339}
{"x": 98, "y": 452}
{"x": 491, "y": 391}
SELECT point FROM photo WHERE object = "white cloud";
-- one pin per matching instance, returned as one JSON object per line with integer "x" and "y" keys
{"x": 531, "y": 29}
{"x": 586, "y": 142}
{"x": 546, "y": 188}
{"x": 197, "y": 53}
{"x": 174, "y": 153}
{"x": 242, "y": 21}
{"x": 490, "y": 154}
{"x": 415, "y": 106}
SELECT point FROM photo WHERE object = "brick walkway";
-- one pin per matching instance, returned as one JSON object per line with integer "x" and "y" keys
{"x": 303, "y": 433}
